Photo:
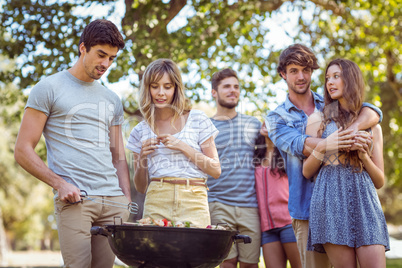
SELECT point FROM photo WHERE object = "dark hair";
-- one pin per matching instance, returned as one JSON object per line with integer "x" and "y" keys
{"x": 277, "y": 162}
{"x": 101, "y": 32}
{"x": 219, "y": 76}
{"x": 353, "y": 91}
{"x": 297, "y": 54}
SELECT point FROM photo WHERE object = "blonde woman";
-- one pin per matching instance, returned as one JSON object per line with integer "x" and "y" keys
{"x": 174, "y": 149}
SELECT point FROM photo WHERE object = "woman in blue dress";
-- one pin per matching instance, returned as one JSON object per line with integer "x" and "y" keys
{"x": 346, "y": 218}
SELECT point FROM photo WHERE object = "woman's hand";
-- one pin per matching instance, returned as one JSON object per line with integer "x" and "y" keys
{"x": 170, "y": 142}
{"x": 360, "y": 138}
{"x": 338, "y": 140}
{"x": 363, "y": 144}
{"x": 149, "y": 146}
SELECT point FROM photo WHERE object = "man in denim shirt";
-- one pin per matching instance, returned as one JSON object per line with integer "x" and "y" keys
{"x": 286, "y": 127}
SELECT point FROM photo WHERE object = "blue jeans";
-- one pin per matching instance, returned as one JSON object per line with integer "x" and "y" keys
{"x": 283, "y": 234}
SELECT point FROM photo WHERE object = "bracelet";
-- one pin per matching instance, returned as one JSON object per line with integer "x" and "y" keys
{"x": 319, "y": 158}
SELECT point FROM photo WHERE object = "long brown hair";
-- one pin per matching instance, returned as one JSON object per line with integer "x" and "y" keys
{"x": 153, "y": 73}
{"x": 353, "y": 92}
{"x": 277, "y": 162}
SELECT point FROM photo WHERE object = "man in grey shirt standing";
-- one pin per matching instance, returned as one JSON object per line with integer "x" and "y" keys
{"x": 81, "y": 122}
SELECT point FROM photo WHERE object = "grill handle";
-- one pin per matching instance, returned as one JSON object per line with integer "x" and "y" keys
{"x": 98, "y": 230}
{"x": 242, "y": 239}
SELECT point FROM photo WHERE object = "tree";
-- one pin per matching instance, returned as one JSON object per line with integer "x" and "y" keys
{"x": 216, "y": 32}
{"x": 25, "y": 204}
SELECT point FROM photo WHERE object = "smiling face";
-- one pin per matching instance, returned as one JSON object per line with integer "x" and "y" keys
{"x": 298, "y": 78}
{"x": 96, "y": 61}
{"x": 334, "y": 83}
{"x": 162, "y": 91}
{"x": 228, "y": 92}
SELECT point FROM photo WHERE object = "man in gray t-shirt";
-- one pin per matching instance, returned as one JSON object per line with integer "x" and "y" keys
{"x": 81, "y": 122}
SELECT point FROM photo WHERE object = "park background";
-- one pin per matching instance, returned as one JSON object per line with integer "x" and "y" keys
{"x": 40, "y": 37}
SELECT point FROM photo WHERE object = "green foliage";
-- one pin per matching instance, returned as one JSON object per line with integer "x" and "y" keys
{"x": 31, "y": 26}
{"x": 26, "y": 202}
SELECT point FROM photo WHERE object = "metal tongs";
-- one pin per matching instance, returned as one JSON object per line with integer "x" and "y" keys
{"x": 132, "y": 206}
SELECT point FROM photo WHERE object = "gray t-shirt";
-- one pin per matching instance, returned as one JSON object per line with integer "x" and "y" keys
{"x": 77, "y": 130}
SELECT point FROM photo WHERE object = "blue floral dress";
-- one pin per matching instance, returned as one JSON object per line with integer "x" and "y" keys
{"x": 345, "y": 209}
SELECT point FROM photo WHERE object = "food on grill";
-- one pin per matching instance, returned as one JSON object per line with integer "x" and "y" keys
{"x": 166, "y": 223}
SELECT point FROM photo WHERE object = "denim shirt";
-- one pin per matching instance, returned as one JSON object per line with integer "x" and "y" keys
{"x": 286, "y": 127}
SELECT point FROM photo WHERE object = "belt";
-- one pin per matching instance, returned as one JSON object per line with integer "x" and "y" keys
{"x": 183, "y": 181}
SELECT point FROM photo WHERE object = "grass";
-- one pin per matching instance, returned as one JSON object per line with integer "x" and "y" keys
{"x": 394, "y": 263}
{"x": 391, "y": 263}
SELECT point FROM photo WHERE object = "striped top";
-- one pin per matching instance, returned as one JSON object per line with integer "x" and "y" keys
{"x": 165, "y": 162}
{"x": 235, "y": 144}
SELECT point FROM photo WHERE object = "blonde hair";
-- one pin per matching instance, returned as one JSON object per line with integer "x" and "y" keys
{"x": 153, "y": 73}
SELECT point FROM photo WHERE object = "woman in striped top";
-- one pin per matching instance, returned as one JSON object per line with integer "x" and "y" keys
{"x": 173, "y": 149}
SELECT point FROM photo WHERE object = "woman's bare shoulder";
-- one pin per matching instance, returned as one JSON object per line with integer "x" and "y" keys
{"x": 316, "y": 117}
{"x": 314, "y": 123}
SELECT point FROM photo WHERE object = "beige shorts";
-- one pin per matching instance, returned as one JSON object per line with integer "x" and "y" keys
{"x": 74, "y": 221}
{"x": 177, "y": 202}
{"x": 309, "y": 259}
{"x": 247, "y": 222}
